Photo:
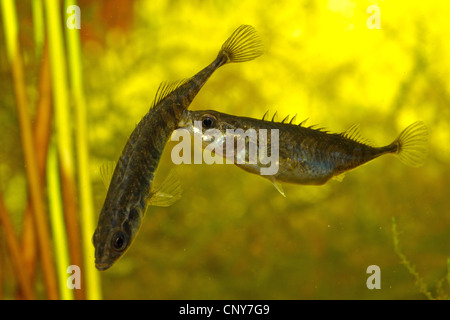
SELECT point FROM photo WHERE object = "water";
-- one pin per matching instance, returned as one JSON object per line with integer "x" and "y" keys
{"x": 232, "y": 235}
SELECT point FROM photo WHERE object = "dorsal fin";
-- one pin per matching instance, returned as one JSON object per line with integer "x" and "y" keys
{"x": 353, "y": 133}
{"x": 106, "y": 172}
{"x": 286, "y": 118}
{"x": 166, "y": 88}
{"x": 303, "y": 122}
{"x": 274, "y": 115}
{"x": 265, "y": 115}
{"x": 293, "y": 118}
{"x": 316, "y": 127}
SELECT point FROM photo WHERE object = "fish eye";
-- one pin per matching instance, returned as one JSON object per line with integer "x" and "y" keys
{"x": 119, "y": 241}
{"x": 209, "y": 121}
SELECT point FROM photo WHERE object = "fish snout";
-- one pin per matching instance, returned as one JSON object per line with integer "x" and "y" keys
{"x": 102, "y": 266}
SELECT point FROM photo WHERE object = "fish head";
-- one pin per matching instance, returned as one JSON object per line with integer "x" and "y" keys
{"x": 213, "y": 126}
{"x": 115, "y": 233}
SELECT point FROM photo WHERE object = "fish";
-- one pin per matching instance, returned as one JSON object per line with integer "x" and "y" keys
{"x": 305, "y": 155}
{"x": 131, "y": 189}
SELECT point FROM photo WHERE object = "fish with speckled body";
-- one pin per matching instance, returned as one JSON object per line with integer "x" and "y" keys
{"x": 131, "y": 188}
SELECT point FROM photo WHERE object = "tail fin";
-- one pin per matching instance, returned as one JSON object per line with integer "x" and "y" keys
{"x": 412, "y": 144}
{"x": 243, "y": 45}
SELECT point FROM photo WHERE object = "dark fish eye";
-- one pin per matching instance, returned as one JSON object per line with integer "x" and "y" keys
{"x": 119, "y": 241}
{"x": 209, "y": 121}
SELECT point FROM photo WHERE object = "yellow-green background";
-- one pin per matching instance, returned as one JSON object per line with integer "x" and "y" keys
{"x": 232, "y": 235}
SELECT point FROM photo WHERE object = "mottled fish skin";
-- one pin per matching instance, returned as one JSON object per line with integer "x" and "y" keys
{"x": 306, "y": 155}
{"x": 130, "y": 190}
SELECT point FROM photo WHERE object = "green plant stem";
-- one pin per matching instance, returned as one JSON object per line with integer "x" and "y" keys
{"x": 57, "y": 223}
{"x": 38, "y": 26}
{"x": 63, "y": 125}
{"x": 93, "y": 290}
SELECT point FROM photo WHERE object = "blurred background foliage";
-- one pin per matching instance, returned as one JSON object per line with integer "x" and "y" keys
{"x": 232, "y": 235}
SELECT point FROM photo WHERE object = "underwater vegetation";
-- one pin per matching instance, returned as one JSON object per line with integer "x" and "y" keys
{"x": 70, "y": 99}
{"x": 441, "y": 286}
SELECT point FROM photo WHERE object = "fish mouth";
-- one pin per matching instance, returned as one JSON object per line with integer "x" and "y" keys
{"x": 102, "y": 266}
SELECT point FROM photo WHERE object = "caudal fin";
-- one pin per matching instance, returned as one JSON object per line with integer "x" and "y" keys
{"x": 243, "y": 45}
{"x": 412, "y": 144}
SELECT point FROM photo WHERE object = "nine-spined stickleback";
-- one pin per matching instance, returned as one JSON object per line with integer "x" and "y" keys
{"x": 130, "y": 191}
{"x": 304, "y": 155}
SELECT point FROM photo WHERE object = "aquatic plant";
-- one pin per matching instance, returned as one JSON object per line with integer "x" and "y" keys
{"x": 423, "y": 287}
{"x": 52, "y": 215}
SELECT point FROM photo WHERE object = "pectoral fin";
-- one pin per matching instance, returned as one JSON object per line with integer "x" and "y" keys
{"x": 106, "y": 172}
{"x": 167, "y": 193}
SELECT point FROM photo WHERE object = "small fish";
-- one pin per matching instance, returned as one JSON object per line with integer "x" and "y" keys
{"x": 305, "y": 155}
{"x": 131, "y": 191}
